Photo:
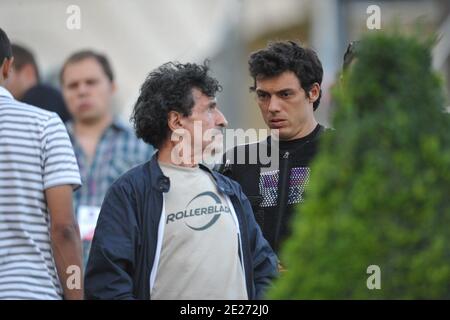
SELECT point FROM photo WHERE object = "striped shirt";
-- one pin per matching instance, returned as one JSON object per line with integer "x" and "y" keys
{"x": 35, "y": 154}
{"x": 117, "y": 151}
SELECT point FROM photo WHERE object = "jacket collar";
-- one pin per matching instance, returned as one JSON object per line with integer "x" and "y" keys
{"x": 162, "y": 183}
{"x": 222, "y": 184}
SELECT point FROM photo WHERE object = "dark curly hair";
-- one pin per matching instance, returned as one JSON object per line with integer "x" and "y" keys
{"x": 169, "y": 88}
{"x": 283, "y": 56}
{"x": 5, "y": 47}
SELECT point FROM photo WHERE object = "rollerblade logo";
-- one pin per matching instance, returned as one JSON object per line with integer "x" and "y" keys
{"x": 199, "y": 218}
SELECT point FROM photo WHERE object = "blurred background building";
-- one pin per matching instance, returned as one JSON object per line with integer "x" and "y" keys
{"x": 140, "y": 35}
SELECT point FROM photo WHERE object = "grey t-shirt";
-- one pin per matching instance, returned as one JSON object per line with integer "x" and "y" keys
{"x": 200, "y": 249}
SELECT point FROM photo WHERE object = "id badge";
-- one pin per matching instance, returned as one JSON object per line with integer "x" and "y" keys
{"x": 87, "y": 220}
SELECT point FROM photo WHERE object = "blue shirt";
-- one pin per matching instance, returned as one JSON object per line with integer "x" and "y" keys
{"x": 117, "y": 151}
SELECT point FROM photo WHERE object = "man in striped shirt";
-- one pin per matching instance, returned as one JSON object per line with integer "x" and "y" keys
{"x": 40, "y": 247}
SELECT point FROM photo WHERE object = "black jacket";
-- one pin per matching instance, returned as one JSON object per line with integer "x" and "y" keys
{"x": 273, "y": 194}
{"x": 124, "y": 245}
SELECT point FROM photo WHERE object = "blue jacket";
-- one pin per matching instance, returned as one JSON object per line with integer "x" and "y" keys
{"x": 125, "y": 241}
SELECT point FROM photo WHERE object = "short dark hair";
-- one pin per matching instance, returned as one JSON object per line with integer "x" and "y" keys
{"x": 87, "y": 54}
{"x": 283, "y": 56}
{"x": 23, "y": 56}
{"x": 5, "y": 47}
{"x": 169, "y": 88}
{"x": 350, "y": 54}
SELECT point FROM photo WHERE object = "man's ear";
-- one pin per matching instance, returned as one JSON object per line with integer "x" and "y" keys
{"x": 29, "y": 71}
{"x": 6, "y": 67}
{"x": 174, "y": 120}
{"x": 314, "y": 92}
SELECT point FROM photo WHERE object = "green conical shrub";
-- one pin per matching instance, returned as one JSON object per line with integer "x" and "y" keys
{"x": 379, "y": 191}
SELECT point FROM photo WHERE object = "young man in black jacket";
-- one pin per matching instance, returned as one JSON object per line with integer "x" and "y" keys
{"x": 170, "y": 228}
{"x": 287, "y": 79}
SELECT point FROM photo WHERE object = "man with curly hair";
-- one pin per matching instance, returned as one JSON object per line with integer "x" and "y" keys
{"x": 171, "y": 228}
{"x": 287, "y": 82}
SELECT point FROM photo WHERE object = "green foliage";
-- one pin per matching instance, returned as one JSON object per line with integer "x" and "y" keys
{"x": 380, "y": 186}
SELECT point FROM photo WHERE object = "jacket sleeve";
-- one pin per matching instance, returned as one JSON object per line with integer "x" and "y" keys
{"x": 265, "y": 261}
{"x": 111, "y": 260}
